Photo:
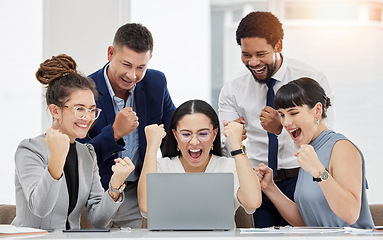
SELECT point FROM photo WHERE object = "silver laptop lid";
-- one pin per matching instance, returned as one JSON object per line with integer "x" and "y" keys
{"x": 190, "y": 201}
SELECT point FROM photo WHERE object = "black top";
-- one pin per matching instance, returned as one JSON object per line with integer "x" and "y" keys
{"x": 71, "y": 177}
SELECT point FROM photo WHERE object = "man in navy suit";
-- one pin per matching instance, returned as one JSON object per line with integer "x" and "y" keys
{"x": 131, "y": 97}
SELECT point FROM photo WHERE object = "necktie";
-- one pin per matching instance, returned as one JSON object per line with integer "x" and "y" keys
{"x": 273, "y": 140}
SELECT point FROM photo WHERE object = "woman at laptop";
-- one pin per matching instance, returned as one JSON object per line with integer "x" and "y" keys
{"x": 331, "y": 185}
{"x": 192, "y": 144}
{"x": 56, "y": 176}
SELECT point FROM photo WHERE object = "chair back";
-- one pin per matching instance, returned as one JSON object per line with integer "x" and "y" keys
{"x": 243, "y": 219}
{"x": 377, "y": 214}
{"x": 7, "y": 213}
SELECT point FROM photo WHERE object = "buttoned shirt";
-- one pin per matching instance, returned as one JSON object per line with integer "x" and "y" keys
{"x": 130, "y": 140}
{"x": 244, "y": 97}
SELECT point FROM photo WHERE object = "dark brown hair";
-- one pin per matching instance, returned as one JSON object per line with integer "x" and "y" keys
{"x": 187, "y": 108}
{"x": 262, "y": 25}
{"x": 134, "y": 36}
{"x": 60, "y": 75}
{"x": 303, "y": 91}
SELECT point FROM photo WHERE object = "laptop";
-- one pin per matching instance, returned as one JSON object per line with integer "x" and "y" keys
{"x": 190, "y": 201}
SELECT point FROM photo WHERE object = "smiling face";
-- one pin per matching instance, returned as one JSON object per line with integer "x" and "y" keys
{"x": 127, "y": 67}
{"x": 301, "y": 123}
{"x": 260, "y": 57}
{"x": 195, "y": 154}
{"x": 68, "y": 123}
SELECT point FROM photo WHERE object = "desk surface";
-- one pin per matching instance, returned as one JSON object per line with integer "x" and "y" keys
{"x": 200, "y": 235}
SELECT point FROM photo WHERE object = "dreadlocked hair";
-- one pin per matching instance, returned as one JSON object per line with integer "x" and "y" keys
{"x": 60, "y": 75}
{"x": 54, "y": 68}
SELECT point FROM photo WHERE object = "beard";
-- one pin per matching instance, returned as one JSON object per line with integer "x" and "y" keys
{"x": 270, "y": 68}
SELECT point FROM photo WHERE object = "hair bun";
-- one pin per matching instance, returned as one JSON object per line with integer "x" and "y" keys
{"x": 55, "y": 68}
{"x": 327, "y": 102}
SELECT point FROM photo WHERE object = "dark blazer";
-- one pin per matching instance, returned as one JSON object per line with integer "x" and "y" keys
{"x": 153, "y": 105}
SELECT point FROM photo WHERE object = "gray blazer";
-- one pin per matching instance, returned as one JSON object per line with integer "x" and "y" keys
{"x": 42, "y": 202}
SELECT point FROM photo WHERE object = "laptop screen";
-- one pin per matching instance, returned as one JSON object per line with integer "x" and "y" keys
{"x": 190, "y": 201}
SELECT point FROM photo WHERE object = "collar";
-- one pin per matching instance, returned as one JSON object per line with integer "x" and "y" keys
{"x": 109, "y": 86}
{"x": 321, "y": 139}
{"x": 281, "y": 71}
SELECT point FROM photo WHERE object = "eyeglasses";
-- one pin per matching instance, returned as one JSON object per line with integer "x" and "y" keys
{"x": 202, "y": 135}
{"x": 80, "y": 112}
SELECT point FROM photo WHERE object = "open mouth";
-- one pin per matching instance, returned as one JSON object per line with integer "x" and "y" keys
{"x": 296, "y": 133}
{"x": 127, "y": 81}
{"x": 81, "y": 125}
{"x": 258, "y": 70}
{"x": 195, "y": 154}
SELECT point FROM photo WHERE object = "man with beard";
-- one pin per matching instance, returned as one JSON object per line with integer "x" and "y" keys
{"x": 247, "y": 99}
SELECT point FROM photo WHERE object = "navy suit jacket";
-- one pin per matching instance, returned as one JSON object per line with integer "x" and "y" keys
{"x": 153, "y": 105}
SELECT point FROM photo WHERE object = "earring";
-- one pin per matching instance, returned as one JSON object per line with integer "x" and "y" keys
{"x": 178, "y": 149}
{"x": 212, "y": 146}
{"x": 317, "y": 121}
{"x": 54, "y": 122}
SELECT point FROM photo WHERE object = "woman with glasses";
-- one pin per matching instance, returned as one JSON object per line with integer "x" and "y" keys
{"x": 56, "y": 176}
{"x": 192, "y": 144}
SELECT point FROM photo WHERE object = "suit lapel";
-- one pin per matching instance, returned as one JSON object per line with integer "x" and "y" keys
{"x": 104, "y": 100}
{"x": 105, "y": 103}
{"x": 140, "y": 99}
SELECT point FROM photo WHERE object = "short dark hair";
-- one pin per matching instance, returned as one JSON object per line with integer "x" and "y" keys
{"x": 60, "y": 75}
{"x": 134, "y": 36}
{"x": 262, "y": 25}
{"x": 303, "y": 91}
{"x": 191, "y": 107}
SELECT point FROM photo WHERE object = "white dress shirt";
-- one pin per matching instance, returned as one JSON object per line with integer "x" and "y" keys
{"x": 244, "y": 97}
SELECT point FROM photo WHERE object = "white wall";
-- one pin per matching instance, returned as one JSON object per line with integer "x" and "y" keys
{"x": 84, "y": 29}
{"x": 181, "y": 32}
{"x": 181, "y": 29}
{"x": 20, "y": 92}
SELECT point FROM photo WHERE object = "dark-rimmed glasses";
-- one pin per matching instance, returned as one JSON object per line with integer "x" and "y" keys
{"x": 80, "y": 112}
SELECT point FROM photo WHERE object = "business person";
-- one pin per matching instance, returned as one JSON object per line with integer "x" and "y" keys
{"x": 331, "y": 185}
{"x": 248, "y": 99}
{"x": 131, "y": 97}
{"x": 192, "y": 144}
{"x": 56, "y": 176}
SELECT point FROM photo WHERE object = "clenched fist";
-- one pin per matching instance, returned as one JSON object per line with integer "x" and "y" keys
{"x": 58, "y": 144}
{"x": 121, "y": 170}
{"x": 125, "y": 123}
{"x": 233, "y": 132}
{"x": 154, "y": 134}
{"x": 270, "y": 120}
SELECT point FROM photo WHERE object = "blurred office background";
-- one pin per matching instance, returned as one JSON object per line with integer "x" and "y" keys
{"x": 195, "y": 47}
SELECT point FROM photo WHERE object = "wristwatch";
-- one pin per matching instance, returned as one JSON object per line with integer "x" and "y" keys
{"x": 117, "y": 190}
{"x": 323, "y": 176}
{"x": 242, "y": 150}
